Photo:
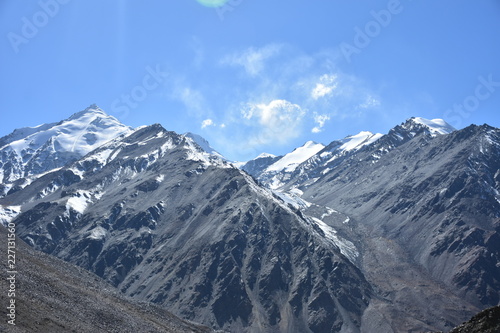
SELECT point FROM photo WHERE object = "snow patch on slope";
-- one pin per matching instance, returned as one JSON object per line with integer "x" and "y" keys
{"x": 8, "y": 213}
{"x": 346, "y": 247}
{"x": 290, "y": 161}
{"x": 359, "y": 140}
{"x": 82, "y": 199}
{"x": 98, "y": 233}
{"x": 293, "y": 199}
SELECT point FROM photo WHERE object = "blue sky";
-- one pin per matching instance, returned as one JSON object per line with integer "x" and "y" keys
{"x": 251, "y": 75}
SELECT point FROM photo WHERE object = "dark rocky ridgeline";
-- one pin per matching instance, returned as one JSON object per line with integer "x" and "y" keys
{"x": 54, "y": 296}
{"x": 167, "y": 223}
{"x": 488, "y": 321}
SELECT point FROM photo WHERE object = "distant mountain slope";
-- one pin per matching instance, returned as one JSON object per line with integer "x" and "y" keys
{"x": 422, "y": 203}
{"x": 437, "y": 196}
{"x": 334, "y": 155}
{"x": 55, "y": 296}
{"x": 273, "y": 171}
{"x": 27, "y": 153}
{"x": 425, "y": 208}
{"x": 259, "y": 164}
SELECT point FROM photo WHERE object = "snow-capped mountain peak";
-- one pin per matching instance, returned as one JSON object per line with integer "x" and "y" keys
{"x": 435, "y": 126}
{"x": 265, "y": 155}
{"x": 203, "y": 143}
{"x": 32, "y": 151}
{"x": 92, "y": 109}
{"x": 79, "y": 134}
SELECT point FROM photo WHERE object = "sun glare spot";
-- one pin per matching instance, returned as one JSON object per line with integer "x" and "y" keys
{"x": 213, "y": 3}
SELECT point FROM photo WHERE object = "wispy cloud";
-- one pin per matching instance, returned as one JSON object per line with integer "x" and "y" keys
{"x": 276, "y": 122}
{"x": 269, "y": 105}
{"x": 326, "y": 85}
{"x": 253, "y": 60}
{"x": 320, "y": 120}
{"x": 207, "y": 123}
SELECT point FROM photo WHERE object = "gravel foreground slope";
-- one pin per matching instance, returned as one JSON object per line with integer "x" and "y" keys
{"x": 54, "y": 296}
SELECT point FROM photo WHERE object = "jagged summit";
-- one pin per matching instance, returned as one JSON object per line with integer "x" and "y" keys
{"x": 203, "y": 143}
{"x": 435, "y": 126}
{"x": 92, "y": 109}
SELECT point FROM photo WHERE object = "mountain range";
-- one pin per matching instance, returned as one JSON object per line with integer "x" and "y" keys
{"x": 391, "y": 232}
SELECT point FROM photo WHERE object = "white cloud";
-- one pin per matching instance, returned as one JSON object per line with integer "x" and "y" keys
{"x": 326, "y": 85}
{"x": 252, "y": 59}
{"x": 276, "y": 122}
{"x": 207, "y": 123}
{"x": 320, "y": 120}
